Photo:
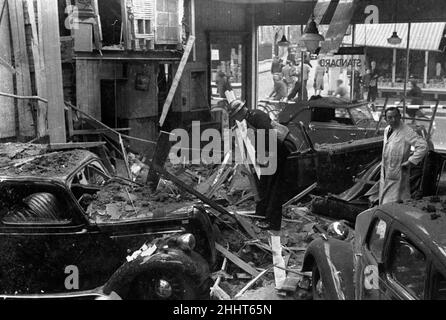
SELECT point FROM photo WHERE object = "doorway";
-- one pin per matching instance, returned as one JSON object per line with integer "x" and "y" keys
{"x": 109, "y": 110}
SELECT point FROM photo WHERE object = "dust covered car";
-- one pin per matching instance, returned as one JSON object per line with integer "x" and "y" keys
{"x": 395, "y": 251}
{"x": 69, "y": 229}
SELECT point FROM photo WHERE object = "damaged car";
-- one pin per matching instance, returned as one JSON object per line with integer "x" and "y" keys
{"x": 68, "y": 229}
{"x": 395, "y": 251}
{"x": 332, "y": 120}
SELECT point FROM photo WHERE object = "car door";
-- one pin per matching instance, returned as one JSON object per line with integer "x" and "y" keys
{"x": 437, "y": 283}
{"x": 405, "y": 268}
{"x": 370, "y": 259}
{"x": 331, "y": 125}
{"x": 300, "y": 167}
{"x": 46, "y": 246}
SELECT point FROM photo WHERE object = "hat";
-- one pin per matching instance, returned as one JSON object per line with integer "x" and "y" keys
{"x": 235, "y": 107}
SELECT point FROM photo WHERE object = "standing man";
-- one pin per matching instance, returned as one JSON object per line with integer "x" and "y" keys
{"x": 223, "y": 84}
{"x": 271, "y": 199}
{"x": 397, "y": 159}
{"x": 305, "y": 78}
{"x": 280, "y": 90}
{"x": 276, "y": 66}
{"x": 416, "y": 94}
{"x": 288, "y": 75}
{"x": 341, "y": 90}
{"x": 318, "y": 84}
{"x": 373, "y": 84}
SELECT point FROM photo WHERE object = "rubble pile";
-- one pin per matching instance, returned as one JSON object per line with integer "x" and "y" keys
{"x": 117, "y": 201}
{"x": 36, "y": 161}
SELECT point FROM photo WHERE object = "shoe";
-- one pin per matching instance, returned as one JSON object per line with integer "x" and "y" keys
{"x": 264, "y": 225}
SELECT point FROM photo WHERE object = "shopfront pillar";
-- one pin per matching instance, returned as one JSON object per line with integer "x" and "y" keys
{"x": 426, "y": 68}
{"x": 394, "y": 68}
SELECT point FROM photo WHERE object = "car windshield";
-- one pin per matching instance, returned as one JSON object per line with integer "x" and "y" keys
{"x": 361, "y": 113}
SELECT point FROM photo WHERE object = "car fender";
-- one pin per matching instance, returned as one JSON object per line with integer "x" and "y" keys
{"x": 188, "y": 263}
{"x": 334, "y": 259}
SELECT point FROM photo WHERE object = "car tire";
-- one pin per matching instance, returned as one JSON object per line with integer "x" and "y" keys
{"x": 164, "y": 284}
{"x": 317, "y": 287}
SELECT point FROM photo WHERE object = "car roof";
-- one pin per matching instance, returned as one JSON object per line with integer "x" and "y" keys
{"x": 430, "y": 227}
{"x": 325, "y": 103}
{"x": 46, "y": 166}
{"x": 330, "y": 102}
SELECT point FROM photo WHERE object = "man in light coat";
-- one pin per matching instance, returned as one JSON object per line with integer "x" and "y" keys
{"x": 397, "y": 159}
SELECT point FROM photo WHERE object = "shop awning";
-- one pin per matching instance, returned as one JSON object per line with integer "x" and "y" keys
{"x": 423, "y": 36}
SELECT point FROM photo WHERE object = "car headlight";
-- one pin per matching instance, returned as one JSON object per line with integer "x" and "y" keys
{"x": 187, "y": 241}
{"x": 338, "y": 230}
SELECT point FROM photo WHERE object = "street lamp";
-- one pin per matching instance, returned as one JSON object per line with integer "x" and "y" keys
{"x": 283, "y": 42}
{"x": 311, "y": 37}
{"x": 394, "y": 39}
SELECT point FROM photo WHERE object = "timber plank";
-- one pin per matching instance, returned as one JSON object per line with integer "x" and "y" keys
{"x": 236, "y": 260}
{"x": 23, "y": 77}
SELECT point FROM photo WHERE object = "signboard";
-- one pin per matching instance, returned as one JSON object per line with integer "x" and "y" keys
{"x": 215, "y": 55}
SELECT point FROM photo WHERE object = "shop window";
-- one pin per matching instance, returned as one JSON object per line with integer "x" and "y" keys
{"x": 408, "y": 266}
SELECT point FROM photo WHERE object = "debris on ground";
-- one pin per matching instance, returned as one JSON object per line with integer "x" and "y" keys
{"x": 250, "y": 259}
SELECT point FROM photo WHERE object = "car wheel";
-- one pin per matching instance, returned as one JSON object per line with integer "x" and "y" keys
{"x": 318, "y": 290}
{"x": 169, "y": 285}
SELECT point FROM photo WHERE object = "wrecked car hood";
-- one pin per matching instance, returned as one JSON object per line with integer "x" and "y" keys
{"x": 117, "y": 203}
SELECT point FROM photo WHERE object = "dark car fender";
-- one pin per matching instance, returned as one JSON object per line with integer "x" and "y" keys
{"x": 334, "y": 259}
{"x": 190, "y": 264}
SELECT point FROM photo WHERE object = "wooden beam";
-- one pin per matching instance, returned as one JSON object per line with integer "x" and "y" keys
{"x": 53, "y": 68}
{"x": 176, "y": 80}
{"x": 159, "y": 158}
{"x": 4, "y": 94}
{"x": 301, "y": 195}
{"x": 39, "y": 71}
{"x": 125, "y": 25}
{"x": 236, "y": 260}
{"x": 75, "y": 145}
{"x": 23, "y": 77}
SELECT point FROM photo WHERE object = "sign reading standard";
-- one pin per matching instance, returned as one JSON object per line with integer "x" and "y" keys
{"x": 341, "y": 63}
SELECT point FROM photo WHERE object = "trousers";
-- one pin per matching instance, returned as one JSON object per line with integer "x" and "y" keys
{"x": 270, "y": 193}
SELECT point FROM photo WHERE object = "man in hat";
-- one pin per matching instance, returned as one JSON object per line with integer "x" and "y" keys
{"x": 270, "y": 204}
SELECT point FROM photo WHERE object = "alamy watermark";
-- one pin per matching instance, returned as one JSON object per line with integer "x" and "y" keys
{"x": 258, "y": 147}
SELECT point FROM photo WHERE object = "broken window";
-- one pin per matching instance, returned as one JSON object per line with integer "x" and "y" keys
{"x": 87, "y": 181}
{"x": 33, "y": 204}
{"x": 441, "y": 190}
{"x": 361, "y": 114}
{"x": 111, "y": 22}
{"x": 438, "y": 290}
{"x": 337, "y": 116}
{"x": 91, "y": 175}
{"x": 408, "y": 265}
{"x": 377, "y": 237}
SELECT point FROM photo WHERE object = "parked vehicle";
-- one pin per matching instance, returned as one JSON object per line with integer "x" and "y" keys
{"x": 395, "y": 251}
{"x": 332, "y": 120}
{"x": 68, "y": 229}
{"x": 332, "y": 165}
